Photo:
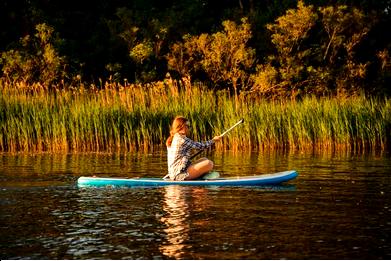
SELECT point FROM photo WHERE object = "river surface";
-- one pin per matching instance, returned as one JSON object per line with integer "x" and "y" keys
{"x": 339, "y": 207}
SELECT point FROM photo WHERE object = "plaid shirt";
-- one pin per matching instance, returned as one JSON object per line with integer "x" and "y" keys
{"x": 178, "y": 155}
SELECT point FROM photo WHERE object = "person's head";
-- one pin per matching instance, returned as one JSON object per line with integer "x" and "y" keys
{"x": 179, "y": 125}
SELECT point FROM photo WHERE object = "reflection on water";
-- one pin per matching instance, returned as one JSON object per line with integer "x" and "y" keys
{"x": 175, "y": 219}
{"x": 180, "y": 206}
{"x": 338, "y": 208}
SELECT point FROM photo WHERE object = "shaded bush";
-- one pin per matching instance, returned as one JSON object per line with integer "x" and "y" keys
{"x": 36, "y": 59}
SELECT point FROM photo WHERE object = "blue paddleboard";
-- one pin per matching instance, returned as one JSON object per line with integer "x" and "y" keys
{"x": 260, "y": 180}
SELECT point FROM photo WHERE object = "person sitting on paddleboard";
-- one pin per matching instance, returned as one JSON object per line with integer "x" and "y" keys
{"x": 178, "y": 152}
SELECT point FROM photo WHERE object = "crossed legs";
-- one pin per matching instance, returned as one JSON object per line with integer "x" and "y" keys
{"x": 199, "y": 168}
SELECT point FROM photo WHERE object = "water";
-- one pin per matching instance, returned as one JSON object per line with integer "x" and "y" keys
{"x": 338, "y": 208}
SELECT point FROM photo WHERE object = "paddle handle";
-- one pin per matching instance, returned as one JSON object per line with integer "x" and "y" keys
{"x": 224, "y": 133}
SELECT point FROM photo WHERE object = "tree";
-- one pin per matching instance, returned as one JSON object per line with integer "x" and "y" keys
{"x": 37, "y": 59}
{"x": 184, "y": 57}
{"x": 345, "y": 29}
{"x": 289, "y": 34}
{"x": 224, "y": 56}
{"x": 315, "y": 52}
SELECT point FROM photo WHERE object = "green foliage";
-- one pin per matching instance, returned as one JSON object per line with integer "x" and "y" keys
{"x": 316, "y": 52}
{"x": 265, "y": 81}
{"x": 291, "y": 29}
{"x": 184, "y": 57}
{"x": 345, "y": 30}
{"x": 285, "y": 48}
{"x": 37, "y": 59}
{"x": 224, "y": 56}
{"x": 141, "y": 52}
{"x": 289, "y": 33}
{"x": 144, "y": 40}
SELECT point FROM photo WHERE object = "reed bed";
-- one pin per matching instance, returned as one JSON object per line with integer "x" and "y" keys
{"x": 135, "y": 117}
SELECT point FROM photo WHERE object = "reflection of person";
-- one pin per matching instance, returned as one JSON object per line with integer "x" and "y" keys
{"x": 177, "y": 230}
{"x": 177, "y": 218}
{"x": 178, "y": 152}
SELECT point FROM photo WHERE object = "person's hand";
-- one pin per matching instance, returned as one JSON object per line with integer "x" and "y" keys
{"x": 217, "y": 138}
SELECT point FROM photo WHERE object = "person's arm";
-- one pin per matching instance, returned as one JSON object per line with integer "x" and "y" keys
{"x": 198, "y": 145}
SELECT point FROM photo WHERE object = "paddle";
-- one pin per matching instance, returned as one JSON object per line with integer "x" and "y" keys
{"x": 224, "y": 133}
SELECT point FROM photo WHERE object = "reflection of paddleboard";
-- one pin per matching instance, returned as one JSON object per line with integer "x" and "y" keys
{"x": 267, "y": 179}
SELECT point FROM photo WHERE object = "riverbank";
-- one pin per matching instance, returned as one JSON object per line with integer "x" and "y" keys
{"x": 135, "y": 117}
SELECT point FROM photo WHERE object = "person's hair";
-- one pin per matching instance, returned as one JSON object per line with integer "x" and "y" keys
{"x": 177, "y": 125}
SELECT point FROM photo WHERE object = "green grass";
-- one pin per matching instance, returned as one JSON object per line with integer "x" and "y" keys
{"x": 136, "y": 117}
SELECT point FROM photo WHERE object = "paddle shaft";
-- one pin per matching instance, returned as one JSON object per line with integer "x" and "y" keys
{"x": 236, "y": 124}
{"x": 224, "y": 133}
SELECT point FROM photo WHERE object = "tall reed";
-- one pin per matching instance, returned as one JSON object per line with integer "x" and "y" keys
{"x": 133, "y": 117}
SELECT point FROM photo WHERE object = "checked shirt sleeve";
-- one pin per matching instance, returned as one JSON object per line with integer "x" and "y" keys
{"x": 190, "y": 144}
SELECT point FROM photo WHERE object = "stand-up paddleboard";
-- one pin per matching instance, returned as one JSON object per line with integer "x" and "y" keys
{"x": 267, "y": 179}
